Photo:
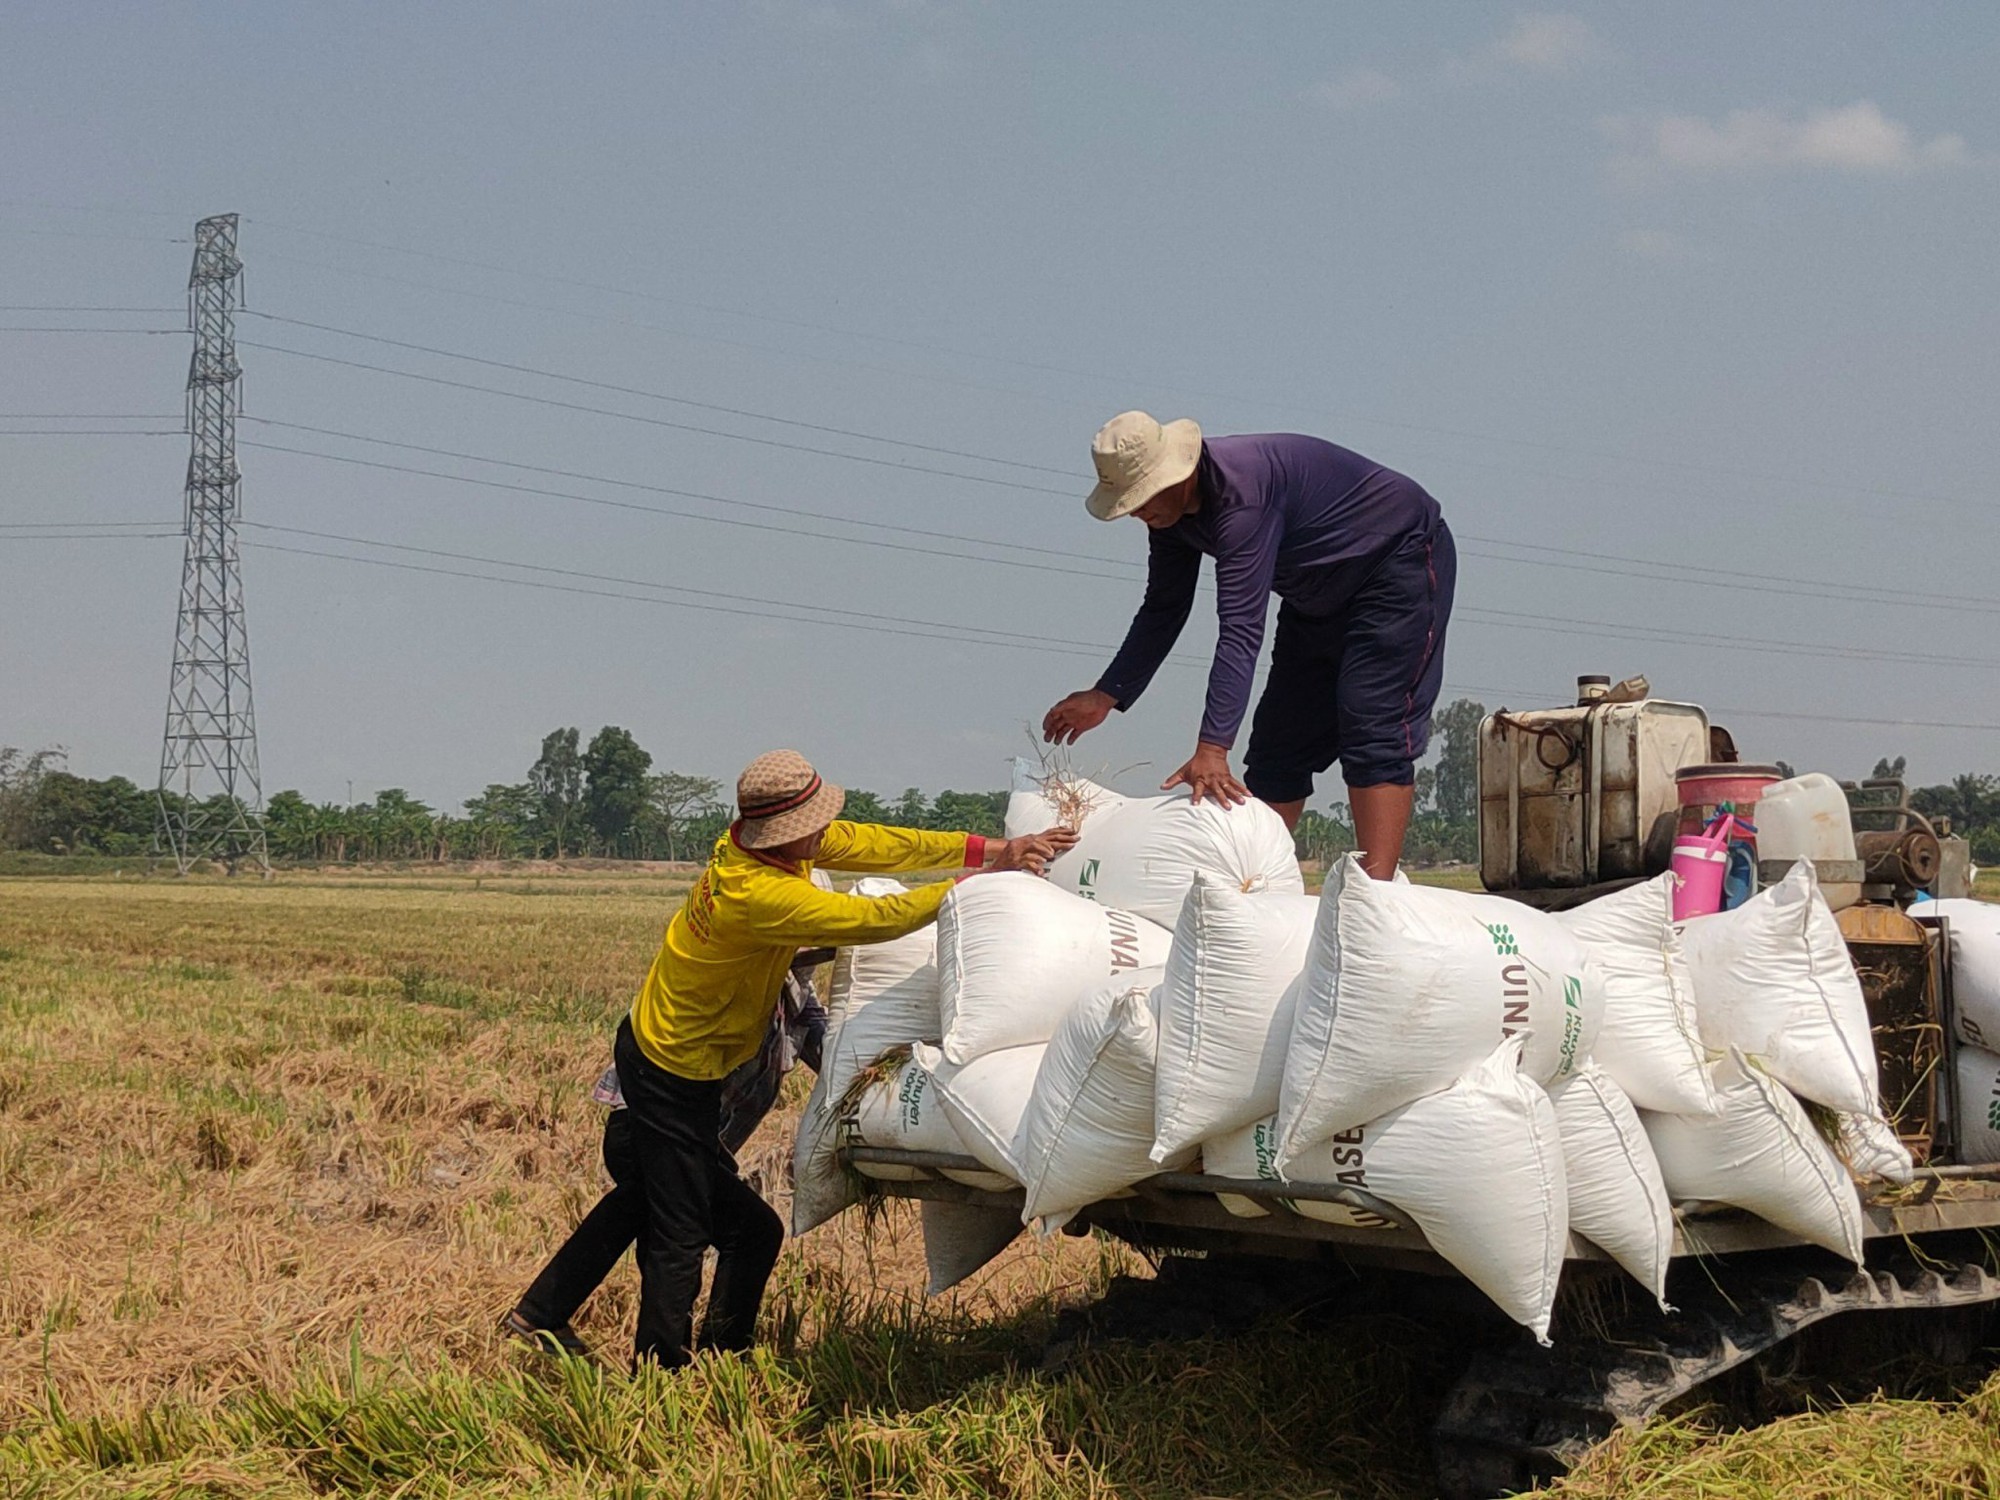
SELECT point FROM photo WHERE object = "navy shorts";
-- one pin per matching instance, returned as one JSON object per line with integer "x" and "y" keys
{"x": 1357, "y": 686}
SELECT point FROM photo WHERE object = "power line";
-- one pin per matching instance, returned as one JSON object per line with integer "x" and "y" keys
{"x": 93, "y": 537}
{"x": 602, "y": 411}
{"x": 1499, "y": 618}
{"x": 92, "y": 234}
{"x": 1068, "y": 554}
{"x": 1825, "y": 589}
{"x": 1835, "y": 592}
{"x": 89, "y": 416}
{"x": 93, "y": 432}
{"x": 933, "y": 377}
{"x": 1676, "y": 465}
{"x": 627, "y": 390}
{"x": 648, "y": 583}
{"x": 902, "y": 372}
{"x": 76, "y": 525}
{"x": 1680, "y": 572}
{"x": 928, "y": 630}
{"x": 1767, "y": 713}
{"x": 37, "y": 328}
{"x": 1759, "y": 579}
{"x": 940, "y": 632}
{"x": 1762, "y": 581}
{"x": 663, "y": 510}
{"x": 1523, "y": 695}
{"x": 1668, "y": 635}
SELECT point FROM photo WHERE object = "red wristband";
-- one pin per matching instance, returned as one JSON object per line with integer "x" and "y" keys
{"x": 975, "y": 851}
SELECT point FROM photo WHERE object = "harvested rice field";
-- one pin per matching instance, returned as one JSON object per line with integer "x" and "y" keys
{"x": 276, "y": 1156}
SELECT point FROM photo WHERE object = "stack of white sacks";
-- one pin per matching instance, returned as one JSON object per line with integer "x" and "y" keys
{"x": 1499, "y": 1077}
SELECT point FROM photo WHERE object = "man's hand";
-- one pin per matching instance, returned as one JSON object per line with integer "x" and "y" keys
{"x": 1031, "y": 852}
{"x": 1207, "y": 774}
{"x": 1076, "y": 716}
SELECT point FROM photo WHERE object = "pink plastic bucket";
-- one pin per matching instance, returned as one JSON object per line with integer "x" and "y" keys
{"x": 1701, "y": 860}
{"x": 1701, "y": 789}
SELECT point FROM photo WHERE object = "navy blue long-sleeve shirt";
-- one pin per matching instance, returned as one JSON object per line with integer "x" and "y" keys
{"x": 1280, "y": 513}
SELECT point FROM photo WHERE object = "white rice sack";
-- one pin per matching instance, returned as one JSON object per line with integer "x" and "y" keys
{"x": 883, "y": 995}
{"x": 960, "y": 1238}
{"x": 1015, "y": 953}
{"x": 902, "y": 1110}
{"x": 1617, "y": 1198}
{"x": 1407, "y": 986}
{"x": 1226, "y": 1010}
{"x": 1478, "y": 1168}
{"x": 1978, "y": 1105}
{"x": 1872, "y": 1149}
{"x": 1760, "y": 1153}
{"x": 1975, "y": 965}
{"x": 1088, "y": 1131}
{"x": 1650, "y": 1042}
{"x": 1250, "y": 1154}
{"x": 1773, "y": 979}
{"x": 985, "y": 1099}
{"x": 1141, "y": 853}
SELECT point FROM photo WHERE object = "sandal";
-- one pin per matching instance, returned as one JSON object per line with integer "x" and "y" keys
{"x": 565, "y": 1338}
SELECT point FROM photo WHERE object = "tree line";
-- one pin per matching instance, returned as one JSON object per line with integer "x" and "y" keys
{"x": 604, "y": 799}
{"x": 595, "y": 799}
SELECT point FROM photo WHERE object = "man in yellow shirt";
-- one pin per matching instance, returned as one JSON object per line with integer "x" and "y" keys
{"x": 703, "y": 1011}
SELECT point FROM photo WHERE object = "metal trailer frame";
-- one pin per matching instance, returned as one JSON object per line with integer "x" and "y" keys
{"x": 1521, "y": 1414}
{"x": 1176, "y": 1207}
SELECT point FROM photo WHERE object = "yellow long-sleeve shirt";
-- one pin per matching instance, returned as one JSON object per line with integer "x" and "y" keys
{"x": 708, "y": 998}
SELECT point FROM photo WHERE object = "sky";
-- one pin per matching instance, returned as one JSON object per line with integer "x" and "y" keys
{"x": 808, "y": 311}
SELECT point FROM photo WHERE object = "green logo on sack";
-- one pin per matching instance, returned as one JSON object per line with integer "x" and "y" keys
{"x": 1993, "y": 1115}
{"x": 1503, "y": 938}
{"x": 1087, "y": 879}
{"x": 1572, "y": 1024}
{"x": 1264, "y": 1141}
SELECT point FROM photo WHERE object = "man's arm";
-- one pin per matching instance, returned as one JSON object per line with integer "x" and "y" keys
{"x": 872, "y": 848}
{"x": 1173, "y": 568}
{"x": 796, "y": 913}
{"x": 1246, "y": 560}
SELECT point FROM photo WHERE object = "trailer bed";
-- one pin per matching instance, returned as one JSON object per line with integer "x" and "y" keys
{"x": 1181, "y": 1210}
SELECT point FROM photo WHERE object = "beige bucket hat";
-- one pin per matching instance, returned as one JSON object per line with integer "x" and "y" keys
{"x": 780, "y": 797}
{"x": 1136, "y": 458}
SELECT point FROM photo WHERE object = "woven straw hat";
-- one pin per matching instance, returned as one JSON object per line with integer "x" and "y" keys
{"x": 780, "y": 797}
{"x": 1136, "y": 458}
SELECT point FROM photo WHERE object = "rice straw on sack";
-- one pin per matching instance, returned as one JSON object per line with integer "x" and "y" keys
{"x": 881, "y": 1070}
{"x": 874, "y": 1198}
{"x": 1068, "y": 793}
{"x": 1060, "y": 786}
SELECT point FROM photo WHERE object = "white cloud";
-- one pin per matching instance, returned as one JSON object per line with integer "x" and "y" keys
{"x": 1855, "y": 138}
{"x": 1357, "y": 88}
{"x": 1549, "y": 42}
{"x": 1538, "y": 41}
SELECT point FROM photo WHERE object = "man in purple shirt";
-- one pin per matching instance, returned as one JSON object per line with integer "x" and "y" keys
{"x": 1363, "y": 567}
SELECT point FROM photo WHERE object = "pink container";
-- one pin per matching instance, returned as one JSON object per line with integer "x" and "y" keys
{"x": 1702, "y": 788}
{"x": 1701, "y": 860}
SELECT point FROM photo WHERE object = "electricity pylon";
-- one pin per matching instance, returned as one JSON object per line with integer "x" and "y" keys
{"x": 211, "y": 804}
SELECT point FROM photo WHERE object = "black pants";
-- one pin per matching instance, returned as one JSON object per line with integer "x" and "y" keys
{"x": 676, "y": 1194}
{"x": 593, "y": 1248}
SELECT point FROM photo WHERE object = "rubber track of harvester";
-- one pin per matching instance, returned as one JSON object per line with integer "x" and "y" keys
{"x": 1525, "y": 1413}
